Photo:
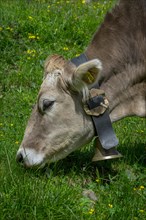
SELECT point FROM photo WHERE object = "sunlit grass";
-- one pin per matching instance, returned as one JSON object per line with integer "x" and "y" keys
{"x": 73, "y": 188}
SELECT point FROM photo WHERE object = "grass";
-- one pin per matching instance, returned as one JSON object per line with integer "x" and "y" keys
{"x": 73, "y": 188}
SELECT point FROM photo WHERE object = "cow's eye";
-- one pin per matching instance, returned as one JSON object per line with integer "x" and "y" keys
{"x": 47, "y": 104}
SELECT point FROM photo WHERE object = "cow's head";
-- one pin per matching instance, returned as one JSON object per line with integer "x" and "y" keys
{"x": 58, "y": 124}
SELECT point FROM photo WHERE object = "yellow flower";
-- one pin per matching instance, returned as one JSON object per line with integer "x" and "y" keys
{"x": 31, "y": 18}
{"x": 65, "y": 48}
{"x": 31, "y": 51}
{"x": 91, "y": 211}
{"x": 10, "y": 29}
{"x": 32, "y": 37}
{"x": 83, "y": 1}
{"x": 97, "y": 180}
{"x": 16, "y": 142}
{"x": 141, "y": 210}
{"x": 141, "y": 187}
{"x": 28, "y": 51}
{"x": 110, "y": 205}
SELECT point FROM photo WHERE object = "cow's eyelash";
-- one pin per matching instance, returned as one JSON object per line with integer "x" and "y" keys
{"x": 47, "y": 104}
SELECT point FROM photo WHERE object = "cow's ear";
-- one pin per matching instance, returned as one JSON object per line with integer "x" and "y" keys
{"x": 86, "y": 73}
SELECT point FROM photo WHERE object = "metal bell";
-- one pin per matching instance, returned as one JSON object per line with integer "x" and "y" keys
{"x": 103, "y": 154}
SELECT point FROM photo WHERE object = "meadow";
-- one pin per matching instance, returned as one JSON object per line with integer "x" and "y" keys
{"x": 73, "y": 188}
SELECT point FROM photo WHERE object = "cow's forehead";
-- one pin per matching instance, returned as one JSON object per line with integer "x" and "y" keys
{"x": 50, "y": 81}
{"x": 51, "y": 78}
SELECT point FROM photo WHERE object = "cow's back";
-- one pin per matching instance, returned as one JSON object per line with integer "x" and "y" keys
{"x": 120, "y": 43}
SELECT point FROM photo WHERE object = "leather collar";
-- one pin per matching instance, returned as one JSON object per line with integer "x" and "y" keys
{"x": 102, "y": 123}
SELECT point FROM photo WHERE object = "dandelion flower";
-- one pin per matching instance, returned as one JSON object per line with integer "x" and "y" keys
{"x": 65, "y": 48}
{"x": 32, "y": 37}
{"x": 31, "y": 18}
{"x": 31, "y": 51}
{"x": 91, "y": 211}
{"x": 28, "y": 51}
{"x": 141, "y": 187}
{"x": 110, "y": 205}
{"x": 9, "y": 29}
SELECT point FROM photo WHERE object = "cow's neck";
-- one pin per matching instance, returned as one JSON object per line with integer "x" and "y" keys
{"x": 123, "y": 85}
{"x": 107, "y": 82}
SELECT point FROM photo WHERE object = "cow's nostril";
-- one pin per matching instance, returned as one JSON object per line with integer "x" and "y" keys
{"x": 19, "y": 158}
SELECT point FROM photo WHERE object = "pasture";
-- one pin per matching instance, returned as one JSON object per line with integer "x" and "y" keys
{"x": 74, "y": 188}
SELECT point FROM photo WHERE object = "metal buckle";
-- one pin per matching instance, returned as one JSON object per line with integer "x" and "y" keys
{"x": 103, "y": 105}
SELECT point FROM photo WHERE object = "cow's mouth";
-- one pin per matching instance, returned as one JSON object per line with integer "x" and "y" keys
{"x": 30, "y": 158}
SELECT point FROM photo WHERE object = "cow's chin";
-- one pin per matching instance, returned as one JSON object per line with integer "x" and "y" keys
{"x": 69, "y": 146}
{"x": 31, "y": 157}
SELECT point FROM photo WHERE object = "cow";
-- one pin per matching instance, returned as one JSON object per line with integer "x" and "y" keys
{"x": 115, "y": 60}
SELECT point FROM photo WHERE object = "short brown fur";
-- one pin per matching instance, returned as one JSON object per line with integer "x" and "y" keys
{"x": 120, "y": 43}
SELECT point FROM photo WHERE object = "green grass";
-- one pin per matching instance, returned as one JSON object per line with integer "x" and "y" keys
{"x": 58, "y": 192}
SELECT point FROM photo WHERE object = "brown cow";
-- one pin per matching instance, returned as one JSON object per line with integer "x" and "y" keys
{"x": 58, "y": 124}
